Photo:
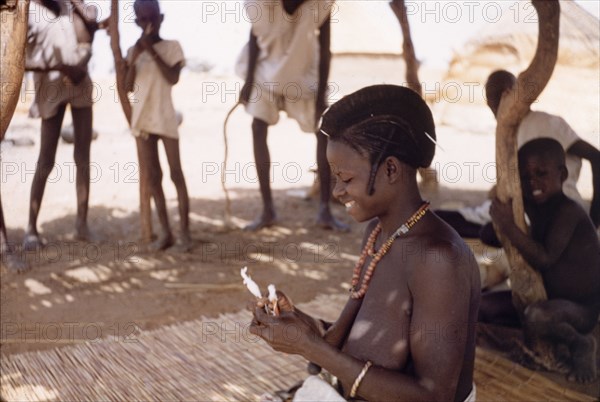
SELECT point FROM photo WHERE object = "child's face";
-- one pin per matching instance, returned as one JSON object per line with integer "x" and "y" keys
{"x": 541, "y": 178}
{"x": 147, "y": 18}
{"x": 351, "y": 171}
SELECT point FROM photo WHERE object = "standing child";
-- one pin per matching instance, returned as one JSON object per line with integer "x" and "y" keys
{"x": 408, "y": 329}
{"x": 153, "y": 67}
{"x": 286, "y": 67}
{"x": 61, "y": 70}
{"x": 564, "y": 248}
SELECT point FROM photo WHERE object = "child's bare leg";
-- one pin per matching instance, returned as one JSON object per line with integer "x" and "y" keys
{"x": 325, "y": 218}
{"x": 82, "y": 125}
{"x": 50, "y": 133}
{"x": 172, "y": 151}
{"x": 12, "y": 262}
{"x": 150, "y": 154}
{"x": 565, "y": 322}
{"x": 497, "y": 308}
{"x": 263, "y": 165}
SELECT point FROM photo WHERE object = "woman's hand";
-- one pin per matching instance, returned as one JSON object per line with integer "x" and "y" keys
{"x": 288, "y": 332}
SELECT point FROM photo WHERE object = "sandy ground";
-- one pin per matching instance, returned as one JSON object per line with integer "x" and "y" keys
{"x": 79, "y": 291}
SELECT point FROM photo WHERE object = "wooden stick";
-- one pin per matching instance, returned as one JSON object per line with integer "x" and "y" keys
{"x": 145, "y": 210}
{"x": 526, "y": 283}
{"x": 227, "y": 217}
{"x": 13, "y": 38}
{"x": 408, "y": 49}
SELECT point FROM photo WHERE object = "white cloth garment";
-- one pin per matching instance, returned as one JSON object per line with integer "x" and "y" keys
{"x": 314, "y": 389}
{"x": 51, "y": 41}
{"x": 287, "y": 68}
{"x": 539, "y": 125}
{"x": 152, "y": 110}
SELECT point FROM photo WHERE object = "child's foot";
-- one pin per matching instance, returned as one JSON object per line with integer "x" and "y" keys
{"x": 184, "y": 245}
{"x": 13, "y": 263}
{"x": 325, "y": 220}
{"x": 164, "y": 241}
{"x": 562, "y": 354}
{"x": 584, "y": 361}
{"x": 267, "y": 219}
{"x": 84, "y": 234}
{"x": 33, "y": 242}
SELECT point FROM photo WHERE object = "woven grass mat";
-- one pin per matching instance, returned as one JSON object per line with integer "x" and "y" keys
{"x": 213, "y": 359}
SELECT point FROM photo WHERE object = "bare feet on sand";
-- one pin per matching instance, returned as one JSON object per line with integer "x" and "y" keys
{"x": 32, "y": 242}
{"x": 82, "y": 232}
{"x": 265, "y": 220}
{"x": 183, "y": 245}
{"x": 164, "y": 241}
{"x": 13, "y": 263}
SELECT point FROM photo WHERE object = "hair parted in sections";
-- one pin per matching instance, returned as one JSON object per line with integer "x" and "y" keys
{"x": 547, "y": 148}
{"x": 382, "y": 121}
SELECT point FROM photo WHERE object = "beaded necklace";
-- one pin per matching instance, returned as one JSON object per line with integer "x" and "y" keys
{"x": 369, "y": 250}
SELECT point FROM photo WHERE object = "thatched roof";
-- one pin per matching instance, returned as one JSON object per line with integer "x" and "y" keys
{"x": 510, "y": 42}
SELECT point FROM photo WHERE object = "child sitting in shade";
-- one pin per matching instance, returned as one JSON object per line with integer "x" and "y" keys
{"x": 564, "y": 248}
{"x": 153, "y": 67}
{"x": 407, "y": 331}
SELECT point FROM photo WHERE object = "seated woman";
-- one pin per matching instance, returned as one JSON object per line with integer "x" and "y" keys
{"x": 407, "y": 331}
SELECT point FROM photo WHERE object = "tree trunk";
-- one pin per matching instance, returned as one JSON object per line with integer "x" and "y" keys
{"x": 408, "y": 50}
{"x": 429, "y": 175}
{"x": 13, "y": 38}
{"x": 145, "y": 209}
{"x": 526, "y": 283}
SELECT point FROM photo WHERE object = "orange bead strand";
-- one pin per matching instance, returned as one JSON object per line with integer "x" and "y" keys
{"x": 369, "y": 250}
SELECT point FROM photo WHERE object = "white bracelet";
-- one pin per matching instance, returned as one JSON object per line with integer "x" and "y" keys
{"x": 359, "y": 379}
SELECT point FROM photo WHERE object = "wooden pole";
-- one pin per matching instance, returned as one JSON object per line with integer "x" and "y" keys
{"x": 408, "y": 49}
{"x": 13, "y": 39}
{"x": 145, "y": 210}
{"x": 527, "y": 285}
{"x": 429, "y": 174}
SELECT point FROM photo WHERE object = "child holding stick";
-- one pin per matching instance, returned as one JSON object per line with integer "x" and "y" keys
{"x": 153, "y": 67}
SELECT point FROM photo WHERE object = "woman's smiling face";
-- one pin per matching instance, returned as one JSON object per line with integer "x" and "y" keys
{"x": 351, "y": 171}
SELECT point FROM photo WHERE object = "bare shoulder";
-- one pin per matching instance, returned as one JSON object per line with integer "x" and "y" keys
{"x": 569, "y": 214}
{"x": 573, "y": 209}
{"x": 445, "y": 258}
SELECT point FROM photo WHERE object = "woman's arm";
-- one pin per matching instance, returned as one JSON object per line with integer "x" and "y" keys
{"x": 437, "y": 337}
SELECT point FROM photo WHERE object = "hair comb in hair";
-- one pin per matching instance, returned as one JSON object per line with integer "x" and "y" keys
{"x": 401, "y": 103}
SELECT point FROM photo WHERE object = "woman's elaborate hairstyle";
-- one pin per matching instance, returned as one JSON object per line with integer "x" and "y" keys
{"x": 381, "y": 121}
